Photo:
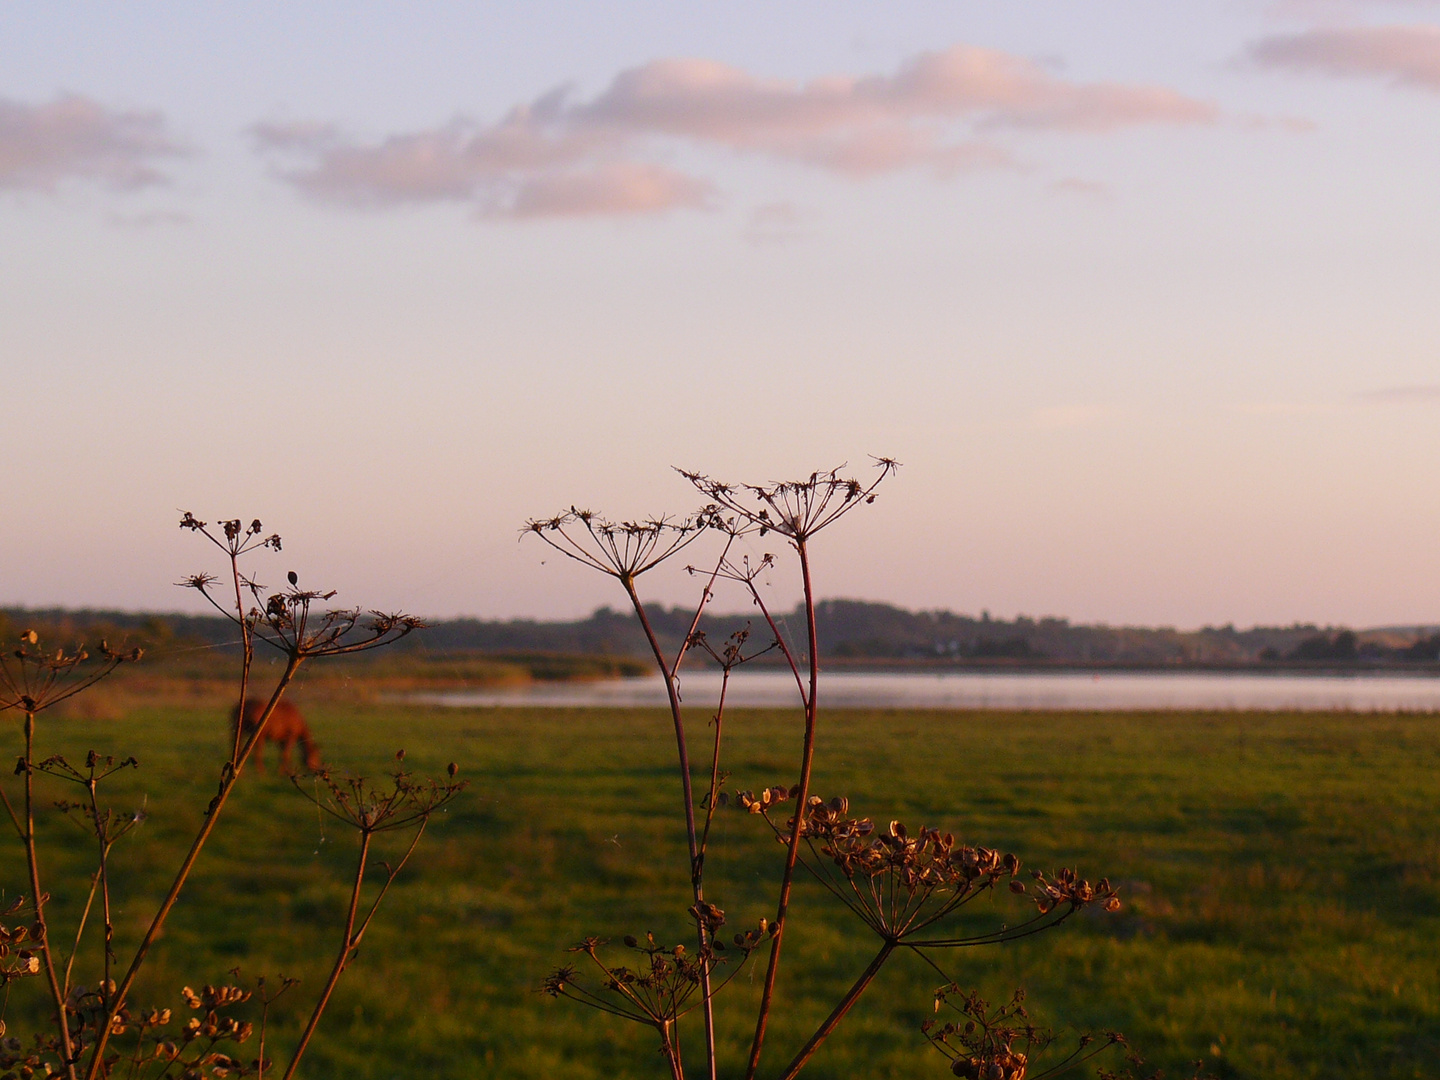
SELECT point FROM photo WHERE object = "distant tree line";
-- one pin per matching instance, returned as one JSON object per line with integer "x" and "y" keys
{"x": 1346, "y": 647}
{"x": 849, "y": 631}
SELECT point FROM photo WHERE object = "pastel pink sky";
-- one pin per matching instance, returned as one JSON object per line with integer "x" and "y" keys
{"x": 1143, "y": 296}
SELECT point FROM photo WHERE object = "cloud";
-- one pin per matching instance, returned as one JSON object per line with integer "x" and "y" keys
{"x": 622, "y": 188}
{"x": 460, "y": 161}
{"x": 709, "y": 100}
{"x": 149, "y": 219}
{"x": 1074, "y": 185}
{"x": 940, "y": 110}
{"x": 1417, "y": 393}
{"x": 1283, "y": 408}
{"x": 293, "y": 135}
{"x": 776, "y": 223}
{"x": 1331, "y": 9}
{"x": 74, "y": 137}
{"x": 1406, "y": 56}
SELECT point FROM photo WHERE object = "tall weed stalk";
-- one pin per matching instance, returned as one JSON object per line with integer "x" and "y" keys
{"x": 297, "y": 624}
{"x": 904, "y": 888}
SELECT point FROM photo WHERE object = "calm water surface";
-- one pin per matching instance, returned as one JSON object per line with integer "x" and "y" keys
{"x": 982, "y": 690}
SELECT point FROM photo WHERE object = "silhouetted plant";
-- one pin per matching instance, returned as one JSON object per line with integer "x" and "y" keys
{"x": 905, "y": 888}
{"x": 407, "y": 805}
{"x": 1001, "y": 1043}
{"x": 33, "y": 680}
{"x": 97, "y": 1032}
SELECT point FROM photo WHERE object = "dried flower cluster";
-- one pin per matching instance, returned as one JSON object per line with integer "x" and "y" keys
{"x": 665, "y": 982}
{"x": 797, "y": 509}
{"x": 622, "y": 549}
{"x": 896, "y": 883}
{"x": 903, "y": 887}
{"x": 98, "y": 1033}
{"x": 402, "y": 803}
{"x": 1001, "y": 1043}
{"x": 33, "y": 679}
{"x": 16, "y": 961}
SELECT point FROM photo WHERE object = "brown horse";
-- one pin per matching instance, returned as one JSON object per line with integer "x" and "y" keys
{"x": 285, "y": 728}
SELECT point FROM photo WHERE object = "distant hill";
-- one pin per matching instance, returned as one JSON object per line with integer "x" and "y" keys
{"x": 852, "y": 632}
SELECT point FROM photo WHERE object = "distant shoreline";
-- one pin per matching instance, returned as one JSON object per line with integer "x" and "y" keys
{"x": 1057, "y": 667}
{"x": 853, "y": 636}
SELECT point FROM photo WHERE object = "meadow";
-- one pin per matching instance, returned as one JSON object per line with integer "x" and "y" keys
{"x": 1281, "y": 879}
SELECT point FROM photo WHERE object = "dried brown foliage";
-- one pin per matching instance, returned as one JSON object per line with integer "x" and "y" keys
{"x": 904, "y": 888}
{"x": 98, "y": 1033}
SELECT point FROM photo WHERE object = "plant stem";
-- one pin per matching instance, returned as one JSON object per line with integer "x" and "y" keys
{"x": 792, "y": 850}
{"x": 80, "y": 930}
{"x": 671, "y": 1039}
{"x": 247, "y": 644}
{"x": 715, "y": 763}
{"x": 260, "y": 1055}
{"x": 38, "y": 898}
{"x": 696, "y": 866}
{"x": 229, "y": 776}
{"x": 104, "y": 878}
{"x": 347, "y": 947}
{"x": 833, "y": 1020}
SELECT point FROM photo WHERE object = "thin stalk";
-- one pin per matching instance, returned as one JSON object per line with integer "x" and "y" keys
{"x": 696, "y": 867}
{"x": 390, "y": 876}
{"x": 80, "y": 930}
{"x": 705, "y": 598}
{"x": 792, "y": 850}
{"x": 715, "y": 762}
{"x": 833, "y": 1020}
{"x": 103, "y": 831}
{"x": 247, "y": 644}
{"x": 671, "y": 1039}
{"x": 260, "y": 1055}
{"x": 14, "y": 818}
{"x": 347, "y": 948}
{"x": 228, "y": 779}
{"x": 353, "y": 934}
{"x": 38, "y": 899}
{"x": 779, "y": 640}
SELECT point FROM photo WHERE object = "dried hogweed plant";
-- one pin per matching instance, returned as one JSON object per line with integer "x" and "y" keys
{"x": 405, "y": 805}
{"x": 34, "y": 679}
{"x": 906, "y": 888}
{"x": 97, "y": 1032}
{"x": 999, "y": 1043}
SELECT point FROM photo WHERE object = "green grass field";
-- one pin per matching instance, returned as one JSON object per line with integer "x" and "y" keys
{"x": 1281, "y": 877}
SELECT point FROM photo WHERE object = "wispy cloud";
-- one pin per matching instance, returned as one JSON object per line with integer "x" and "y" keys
{"x": 1427, "y": 393}
{"x": 1074, "y": 185}
{"x": 622, "y": 188}
{"x": 941, "y": 111}
{"x": 149, "y": 219}
{"x": 74, "y": 137}
{"x": 1332, "y": 9}
{"x": 1406, "y": 56}
{"x": 776, "y": 223}
{"x": 1283, "y": 408}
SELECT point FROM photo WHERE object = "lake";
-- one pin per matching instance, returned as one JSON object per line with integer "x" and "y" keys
{"x": 1084, "y": 690}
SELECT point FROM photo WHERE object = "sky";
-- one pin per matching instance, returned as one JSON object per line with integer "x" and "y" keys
{"x": 1144, "y": 297}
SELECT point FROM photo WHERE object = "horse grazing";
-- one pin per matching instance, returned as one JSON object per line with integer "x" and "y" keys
{"x": 285, "y": 728}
